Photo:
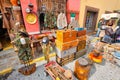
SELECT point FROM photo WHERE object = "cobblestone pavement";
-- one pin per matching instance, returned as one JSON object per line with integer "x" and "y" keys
{"x": 8, "y": 58}
{"x": 103, "y": 71}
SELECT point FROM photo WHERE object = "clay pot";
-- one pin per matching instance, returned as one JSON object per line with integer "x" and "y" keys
{"x": 14, "y": 2}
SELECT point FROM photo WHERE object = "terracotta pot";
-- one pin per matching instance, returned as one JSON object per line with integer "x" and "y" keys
{"x": 14, "y": 2}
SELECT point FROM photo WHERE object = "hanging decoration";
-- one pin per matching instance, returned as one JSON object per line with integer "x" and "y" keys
{"x": 31, "y": 18}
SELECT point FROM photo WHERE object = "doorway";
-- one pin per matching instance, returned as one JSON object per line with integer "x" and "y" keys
{"x": 41, "y": 20}
{"x": 4, "y": 37}
{"x": 90, "y": 18}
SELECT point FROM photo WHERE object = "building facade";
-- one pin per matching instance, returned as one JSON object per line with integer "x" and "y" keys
{"x": 91, "y": 11}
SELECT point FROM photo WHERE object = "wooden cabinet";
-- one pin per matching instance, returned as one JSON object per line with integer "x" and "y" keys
{"x": 82, "y": 38}
{"x": 81, "y": 45}
{"x": 65, "y": 53}
{"x": 66, "y": 36}
{"x": 67, "y": 45}
{"x": 81, "y": 33}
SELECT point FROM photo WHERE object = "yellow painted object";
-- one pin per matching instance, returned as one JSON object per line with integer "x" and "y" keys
{"x": 66, "y": 35}
{"x": 8, "y": 70}
{"x": 95, "y": 59}
{"x": 81, "y": 45}
{"x": 31, "y": 18}
{"x": 82, "y": 38}
{"x": 57, "y": 78}
{"x": 66, "y": 45}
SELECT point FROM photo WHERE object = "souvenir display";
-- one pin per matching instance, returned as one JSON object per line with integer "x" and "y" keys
{"x": 81, "y": 45}
{"x": 66, "y": 35}
{"x": 24, "y": 53}
{"x": 80, "y": 53}
{"x": 74, "y": 24}
{"x": 81, "y": 33}
{"x": 61, "y": 21}
{"x": 78, "y": 28}
{"x": 57, "y": 72}
{"x": 82, "y": 38}
{"x": 62, "y": 54}
{"x": 46, "y": 48}
{"x": 67, "y": 45}
{"x": 95, "y": 56}
{"x": 31, "y": 18}
{"x": 82, "y": 69}
{"x": 66, "y": 59}
{"x": 50, "y": 20}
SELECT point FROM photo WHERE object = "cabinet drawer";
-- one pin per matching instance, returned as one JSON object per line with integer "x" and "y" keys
{"x": 66, "y": 45}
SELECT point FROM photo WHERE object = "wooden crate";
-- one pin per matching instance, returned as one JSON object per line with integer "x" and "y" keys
{"x": 66, "y": 35}
{"x": 82, "y": 38}
{"x": 65, "y": 53}
{"x": 80, "y": 53}
{"x": 81, "y": 33}
{"x": 81, "y": 45}
{"x": 65, "y": 60}
{"x": 67, "y": 45}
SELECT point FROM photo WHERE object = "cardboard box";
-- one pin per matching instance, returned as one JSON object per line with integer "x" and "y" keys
{"x": 67, "y": 45}
{"x": 66, "y": 35}
{"x": 62, "y": 54}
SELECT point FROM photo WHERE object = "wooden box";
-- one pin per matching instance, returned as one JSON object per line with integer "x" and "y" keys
{"x": 65, "y": 53}
{"x": 80, "y": 53}
{"x": 78, "y": 29}
{"x": 81, "y": 45}
{"x": 67, "y": 45}
{"x": 81, "y": 33}
{"x": 66, "y": 35}
{"x": 82, "y": 38}
{"x": 65, "y": 60}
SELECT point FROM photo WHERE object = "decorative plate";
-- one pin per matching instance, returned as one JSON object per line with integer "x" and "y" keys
{"x": 31, "y": 18}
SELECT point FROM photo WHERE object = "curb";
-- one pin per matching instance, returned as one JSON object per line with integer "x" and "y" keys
{"x": 8, "y": 70}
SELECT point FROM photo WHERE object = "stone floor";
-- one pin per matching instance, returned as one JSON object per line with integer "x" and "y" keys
{"x": 8, "y": 58}
{"x": 104, "y": 71}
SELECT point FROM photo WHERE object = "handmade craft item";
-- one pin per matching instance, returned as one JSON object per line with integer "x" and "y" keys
{"x": 95, "y": 56}
{"x": 24, "y": 53}
{"x": 82, "y": 69}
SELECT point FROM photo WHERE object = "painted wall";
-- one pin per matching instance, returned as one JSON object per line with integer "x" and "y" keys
{"x": 73, "y": 6}
{"x": 30, "y": 28}
{"x": 102, "y": 5}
